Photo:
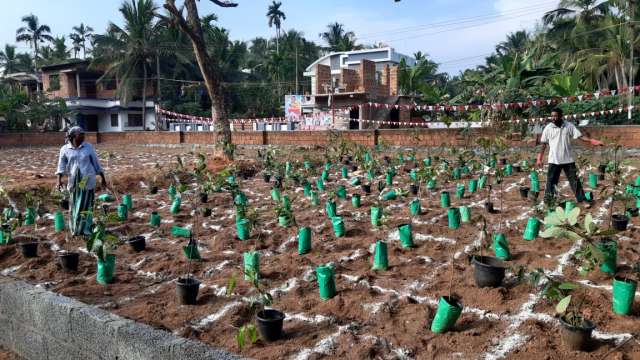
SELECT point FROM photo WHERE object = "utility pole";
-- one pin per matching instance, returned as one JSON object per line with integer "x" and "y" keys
{"x": 158, "y": 88}
{"x": 297, "y": 93}
{"x": 630, "y": 89}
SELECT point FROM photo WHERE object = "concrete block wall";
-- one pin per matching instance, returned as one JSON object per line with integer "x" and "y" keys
{"x": 350, "y": 80}
{"x": 323, "y": 78}
{"x": 40, "y": 325}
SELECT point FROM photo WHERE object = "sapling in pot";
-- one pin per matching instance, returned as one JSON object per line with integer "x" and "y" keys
{"x": 449, "y": 308}
{"x": 488, "y": 271}
{"x": 103, "y": 243}
{"x": 575, "y": 328}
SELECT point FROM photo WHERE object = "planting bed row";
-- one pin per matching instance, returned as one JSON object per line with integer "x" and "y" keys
{"x": 374, "y": 313}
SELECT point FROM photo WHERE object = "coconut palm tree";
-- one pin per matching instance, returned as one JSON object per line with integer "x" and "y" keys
{"x": 8, "y": 60}
{"x": 128, "y": 52}
{"x": 60, "y": 50}
{"x": 276, "y": 16}
{"x": 76, "y": 42}
{"x": 338, "y": 39}
{"x": 83, "y": 34}
{"x": 33, "y": 33}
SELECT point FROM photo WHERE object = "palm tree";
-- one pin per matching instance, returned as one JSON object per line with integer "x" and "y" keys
{"x": 83, "y": 34}
{"x": 60, "y": 51}
{"x": 76, "y": 41}
{"x": 275, "y": 16}
{"x": 128, "y": 52}
{"x": 34, "y": 34}
{"x": 516, "y": 42}
{"x": 8, "y": 60}
{"x": 338, "y": 39}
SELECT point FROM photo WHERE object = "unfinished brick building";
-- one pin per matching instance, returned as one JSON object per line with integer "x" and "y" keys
{"x": 342, "y": 81}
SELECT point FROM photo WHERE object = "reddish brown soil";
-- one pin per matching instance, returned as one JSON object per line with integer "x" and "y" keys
{"x": 374, "y": 315}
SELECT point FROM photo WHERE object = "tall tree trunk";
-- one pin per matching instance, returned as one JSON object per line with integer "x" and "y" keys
{"x": 210, "y": 72}
{"x": 144, "y": 96}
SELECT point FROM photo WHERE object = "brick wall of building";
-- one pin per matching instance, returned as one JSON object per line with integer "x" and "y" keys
{"x": 323, "y": 78}
{"x": 628, "y": 136}
{"x": 350, "y": 80}
{"x": 393, "y": 81}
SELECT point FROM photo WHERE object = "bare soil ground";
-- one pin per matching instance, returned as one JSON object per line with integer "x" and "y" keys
{"x": 375, "y": 314}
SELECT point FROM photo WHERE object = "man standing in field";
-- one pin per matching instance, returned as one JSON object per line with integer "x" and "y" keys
{"x": 557, "y": 135}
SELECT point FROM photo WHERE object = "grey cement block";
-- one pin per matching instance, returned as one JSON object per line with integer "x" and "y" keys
{"x": 59, "y": 350}
{"x": 6, "y": 332}
{"x": 51, "y": 313}
{"x": 95, "y": 329}
{"x": 12, "y": 299}
{"x": 139, "y": 342}
{"x": 27, "y": 342}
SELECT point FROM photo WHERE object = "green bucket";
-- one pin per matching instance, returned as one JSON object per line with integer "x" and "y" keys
{"x": 315, "y": 199}
{"x": 8, "y": 213}
{"x": 325, "y": 175}
{"x": 532, "y": 230}
{"x": 508, "y": 169}
{"x": 338, "y": 226}
{"x": 453, "y": 215}
{"x": 482, "y": 182}
{"x": 389, "y": 179}
{"x": 465, "y": 214}
{"x": 376, "y": 215}
{"x": 287, "y": 168}
{"x": 327, "y": 166}
{"x": 326, "y": 281}
{"x": 58, "y": 221}
{"x": 427, "y": 161}
{"x": 355, "y": 181}
{"x": 593, "y": 180}
{"x": 240, "y": 199}
{"x": 445, "y": 202}
{"x": 330, "y": 209}
{"x": 459, "y": 191}
{"x": 380, "y": 256}
{"x": 533, "y": 176}
{"x": 172, "y": 192}
{"x": 473, "y": 186}
{"x": 284, "y": 221}
{"x": 127, "y": 200}
{"x": 320, "y": 184}
{"x": 610, "y": 251}
{"x": 251, "y": 260}
{"x": 624, "y": 293}
{"x": 569, "y": 205}
{"x": 391, "y": 195}
{"x": 535, "y": 186}
{"x": 30, "y": 216}
{"x": 414, "y": 207}
{"x": 191, "y": 252}
{"x": 406, "y": 237}
{"x": 154, "y": 219}
{"x": 286, "y": 202}
{"x": 5, "y": 237}
{"x": 501, "y": 246}
{"x": 175, "y": 206}
{"x": 180, "y": 232}
{"x": 345, "y": 172}
{"x": 106, "y": 268}
{"x": 588, "y": 195}
{"x": 413, "y": 175}
{"x": 307, "y": 165}
{"x": 243, "y": 228}
{"x": 341, "y": 192}
{"x": 446, "y": 316}
{"x": 122, "y": 212}
{"x": 638, "y": 180}
{"x": 304, "y": 240}
{"x": 355, "y": 200}
{"x": 370, "y": 175}
{"x": 493, "y": 163}
{"x": 431, "y": 184}
{"x": 457, "y": 173}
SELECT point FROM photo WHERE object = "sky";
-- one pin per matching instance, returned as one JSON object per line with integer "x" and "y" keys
{"x": 458, "y": 34}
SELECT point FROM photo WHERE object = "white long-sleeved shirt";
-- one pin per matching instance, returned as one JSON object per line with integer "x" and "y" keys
{"x": 82, "y": 158}
{"x": 559, "y": 140}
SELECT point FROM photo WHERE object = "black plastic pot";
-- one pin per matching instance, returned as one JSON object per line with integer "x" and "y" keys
{"x": 503, "y": 161}
{"x": 206, "y": 212}
{"x": 266, "y": 178}
{"x": 137, "y": 243}
{"x": 577, "y": 338}
{"x": 619, "y": 222}
{"x": 29, "y": 249}
{"x": 488, "y": 206}
{"x": 386, "y": 159}
{"x": 204, "y": 197}
{"x": 69, "y": 261}
{"x": 517, "y": 168}
{"x": 601, "y": 177}
{"x": 269, "y": 324}
{"x": 489, "y": 271}
{"x": 524, "y": 192}
{"x": 354, "y": 168}
{"x": 414, "y": 189}
{"x": 366, "y": 188}
{"x": 187, "y": 290}
{"x": 633, "y": 212}
{"x": 534, "y": 194}
{"x": 64, "y": 204}
{"x": 153, "y": 190}
{"x": 381, "y": 185}
{"x": 602, "y": 168}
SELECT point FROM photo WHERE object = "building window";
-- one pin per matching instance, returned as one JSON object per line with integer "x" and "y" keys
{"x": 54, "y": 82}
{"x": 114, "y": 120}
{"x": 134, "y": 120}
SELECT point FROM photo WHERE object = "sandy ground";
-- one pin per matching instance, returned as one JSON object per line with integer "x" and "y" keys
{"x": 375, "y": 314}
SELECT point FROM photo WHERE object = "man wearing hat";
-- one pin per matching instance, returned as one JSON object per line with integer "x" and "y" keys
{"x": 78, "y": 159}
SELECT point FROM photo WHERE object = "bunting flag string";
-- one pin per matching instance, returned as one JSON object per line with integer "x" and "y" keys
{"x": 192, "y": 119}
{"x": 500, "y": 106}
{"x": 533, "y": 120}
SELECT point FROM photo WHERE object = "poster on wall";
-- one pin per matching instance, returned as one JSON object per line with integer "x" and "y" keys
{"x": 293, "y": 107}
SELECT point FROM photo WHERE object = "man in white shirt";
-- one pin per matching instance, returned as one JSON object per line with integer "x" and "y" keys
{"x": 557, "y": 135}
